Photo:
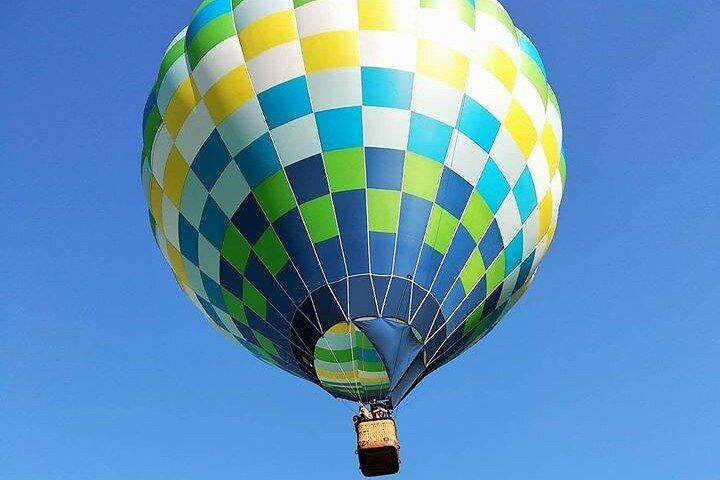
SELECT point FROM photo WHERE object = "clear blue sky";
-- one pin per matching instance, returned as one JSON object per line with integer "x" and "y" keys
{"x": 608, "y": 369}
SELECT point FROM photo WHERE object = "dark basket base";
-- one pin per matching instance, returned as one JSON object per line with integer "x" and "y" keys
{"x": 379, "y": 461}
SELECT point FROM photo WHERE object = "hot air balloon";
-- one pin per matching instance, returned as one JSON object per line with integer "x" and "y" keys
{"x": 356, "y": 191}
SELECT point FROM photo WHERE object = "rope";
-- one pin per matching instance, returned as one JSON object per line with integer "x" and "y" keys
{"x": 351, "y": 333}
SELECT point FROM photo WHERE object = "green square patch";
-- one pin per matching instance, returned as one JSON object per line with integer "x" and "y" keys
{"x": 152, "y": 124}
{"x": 210, "y": 35}
{"x": 477, "y": 216}
{"x": 459, "y": 8}
{"x": 270, "y": 251}
{"x": 274, "y": 196}
{"x": 345, "y": 169}
{"x": 173, "y": 53}
{"x": 235, "y": 249}
{"x": 473, "y": 319}
{"x": 422, "y": 176}
{"x": 495, "y": 10}
{"x": 383, "y": 210}
{"x": 254, "y": 299}
{"x": 261, "y": 354}
{"x": 319, "y": 217}
{"x": 473, "y": 271}
{"x": 235, "y": 307}
{"x": 266, "y": 344}
{"x": 496, "y": 273}
{"x": 441, "y": 229}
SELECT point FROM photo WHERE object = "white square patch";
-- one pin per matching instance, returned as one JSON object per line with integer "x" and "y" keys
{"x": 490, "y": 30}
{"x": 386, "y": 127}
{"x": 388, "y": 49}
{"x": 192, "y": 203}
{"x": 296, "y": 140}
{"x": 436, "y": 100}
{"x": 159, "y": 153}
{"x": 529, "y": 99}
{"x": 337, "y": 88}
{"x": 176, "y": 74}
{"x": 194, "y": 278}
{"x": 249, "y": 11}
{"x": 245, "y": 125}
{"x": 530, "y": 233}
{"x": 321, "y": 16}
{"x": 275, "y": 66}
{"x": 465, "y": 158}
{"x": 445, "y": 28}
{"x": 218, "y": 62}
{"x": 209, "y": 259}
{"x": 509, "y": 285}
{"x": 230, "y": 189}
{"x": 170, "y": 218}
{"x": 483, "y": 87}
{"x": 538, "y": 166}
{"x": 508, "y": 219}
{"x": 197, "y": 128}
{"x": 508, "y": 156}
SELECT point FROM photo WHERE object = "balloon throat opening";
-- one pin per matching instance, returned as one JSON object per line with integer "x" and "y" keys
{"x": 401, "y": 349}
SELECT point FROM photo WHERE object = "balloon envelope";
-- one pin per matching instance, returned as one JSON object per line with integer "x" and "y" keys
{"x": 354, "y": 190}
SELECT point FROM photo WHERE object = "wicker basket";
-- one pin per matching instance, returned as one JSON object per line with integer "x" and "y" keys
{"x": 377, "y": 433}
{"x": 378, "y": 447}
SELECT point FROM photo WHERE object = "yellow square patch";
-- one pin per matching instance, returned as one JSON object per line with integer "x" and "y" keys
{"x": 176, "y": 170}
{"x": 549, "y": 142}
{"x": 268, "y": 32}
{"x": 387, "y": 15}
{"x": 156, "y": 197}
{"x": 545, "y": 215}
{"x": 442, "y": 63}
{"x": 176, "y": 262}
{"x": 228, "y": 94}
{"x": 330, "y": 50}
{"x": 521, "y": 128}
{"x": 499, "y": 63}
{"x": 183, "y": 101}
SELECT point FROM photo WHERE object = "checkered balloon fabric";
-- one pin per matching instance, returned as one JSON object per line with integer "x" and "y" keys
{"x": 354, "y": 190}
